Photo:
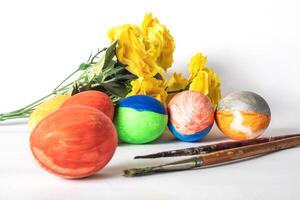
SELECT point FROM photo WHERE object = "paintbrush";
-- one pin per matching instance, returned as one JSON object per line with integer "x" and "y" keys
{"x": 213, "y": 147}
{"x": 218, "y": 157}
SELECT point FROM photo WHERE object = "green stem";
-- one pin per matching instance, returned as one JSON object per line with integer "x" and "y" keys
{"x": 90, "y": 58}
{"x": 15, "y": 117}
{"x": 28, "y": 106}
{"x": 25, "y": 114}
{"x": 27, "y": 110}
{"x": 95, "y": 56}
{"x": 66, "y": 79}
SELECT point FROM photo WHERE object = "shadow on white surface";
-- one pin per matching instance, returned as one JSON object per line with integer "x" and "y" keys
{"x": 14, "y": 122}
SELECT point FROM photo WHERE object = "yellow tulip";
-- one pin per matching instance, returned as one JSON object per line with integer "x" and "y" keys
{"x": 151, "y": 87}
{"x": 204, "y": 80}
{"x": 215, "y": 87}
{"x": 176, "y": 83}
{"x": 131, "y": 51}
{"x": 45, "y": 109}
{"x": 200, "y": 83}
{"x": 197, "y": 64}
{"x": 159, "y": 41}
{"x": 146, "y": 50}
{"x": 208, "y": 83}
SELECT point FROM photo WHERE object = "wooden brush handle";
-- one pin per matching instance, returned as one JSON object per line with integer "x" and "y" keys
{"x": 249, "y": 151}
{"x": 218, "y": 157}
{"x": 214, "y": 147}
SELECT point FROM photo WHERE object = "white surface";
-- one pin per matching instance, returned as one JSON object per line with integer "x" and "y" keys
{"x": 253, "y": 45}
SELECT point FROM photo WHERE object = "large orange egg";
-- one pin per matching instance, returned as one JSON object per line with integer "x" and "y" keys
{"x": 74, "y": 142}
{"x": 93, "y": 98}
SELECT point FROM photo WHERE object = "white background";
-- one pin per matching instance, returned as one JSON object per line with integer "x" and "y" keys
{"x": 253, "y": 45}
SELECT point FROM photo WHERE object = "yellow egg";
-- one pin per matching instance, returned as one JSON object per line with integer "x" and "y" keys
{"x": 45, "y": 109}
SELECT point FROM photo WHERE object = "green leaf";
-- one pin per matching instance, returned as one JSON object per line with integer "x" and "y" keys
{"x": 104, "y": 61}
{"x": 113, "y": 71}
{"x": 125, "y": 77}
{"x": 94, "y": 74}
{"x": 116, "y": 88}
{"x": 83, "y": 66}
{"x": 110, "y": 54}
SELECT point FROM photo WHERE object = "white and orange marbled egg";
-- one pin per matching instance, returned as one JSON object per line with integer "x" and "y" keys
{"x": 243, "y": 115}
{"x": 191, "y": 116}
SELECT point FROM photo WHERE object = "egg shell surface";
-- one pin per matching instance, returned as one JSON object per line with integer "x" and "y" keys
{"x": 74, "y": 142}
{"x": 140, "y": 119}
{"x": 243, "y": 115}
{"x": 191, "y": 116}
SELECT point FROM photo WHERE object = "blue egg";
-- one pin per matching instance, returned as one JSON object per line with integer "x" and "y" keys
{"x": 143, "y": 103}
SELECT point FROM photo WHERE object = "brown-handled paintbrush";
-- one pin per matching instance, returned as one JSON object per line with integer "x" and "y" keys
{"x": 218, "y": 157}
{"x": 213, "y": 148}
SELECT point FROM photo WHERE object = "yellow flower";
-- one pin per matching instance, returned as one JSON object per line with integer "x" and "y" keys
{"x": 159, "y": 42}
{"x": 151, "y": 87}
{"x": 45, "y": 109}
{"x": 200, "y": 83}
{"x": 131, "y": 51}
{"x": 214, "y": 82}
{"x": 146, "y": 50}
{"x": 177, "y": 82}
{"x": 197, "y": 63}
{"x": 204, "y": 80}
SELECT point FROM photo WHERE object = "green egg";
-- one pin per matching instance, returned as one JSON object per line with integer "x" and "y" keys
{"x": 140, "y": 119}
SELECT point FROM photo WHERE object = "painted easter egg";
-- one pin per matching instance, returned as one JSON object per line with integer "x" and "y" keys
{"x": 140, "y": 119}
{"x": 191, "y": 116}
{"x": 74, "y": 142}
{"x": 243, "y": 115}
{"x": 93, "y": 98}
{"x": 45, "y": 109}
